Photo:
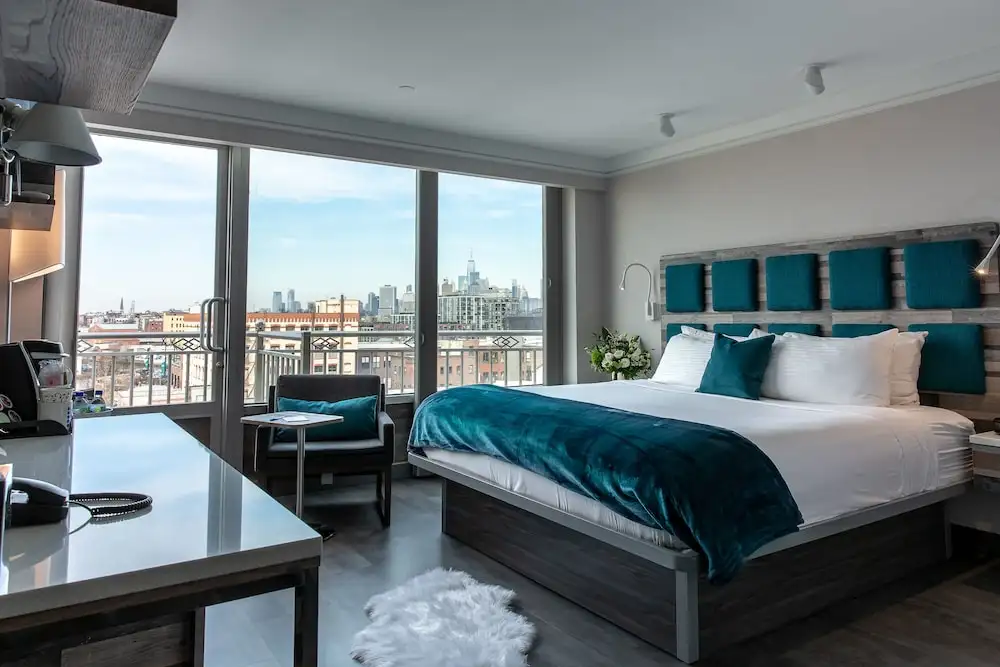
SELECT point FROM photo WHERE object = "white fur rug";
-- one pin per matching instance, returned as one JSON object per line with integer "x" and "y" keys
{"x": 443, "y": 618}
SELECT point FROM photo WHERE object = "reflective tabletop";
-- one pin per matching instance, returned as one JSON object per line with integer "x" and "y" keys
{"x": 206, "y": 520}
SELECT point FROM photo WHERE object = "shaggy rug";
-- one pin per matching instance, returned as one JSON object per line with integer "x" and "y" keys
{"x": 443, "y": 618}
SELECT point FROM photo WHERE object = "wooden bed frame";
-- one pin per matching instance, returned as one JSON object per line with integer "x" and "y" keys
{"x": 661, "y": 595}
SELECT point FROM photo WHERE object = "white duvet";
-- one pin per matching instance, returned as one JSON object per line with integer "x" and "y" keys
{"x": 835, "y": 459}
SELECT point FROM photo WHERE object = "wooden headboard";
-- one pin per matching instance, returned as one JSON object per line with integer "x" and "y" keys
{"x": 978, "y": 407}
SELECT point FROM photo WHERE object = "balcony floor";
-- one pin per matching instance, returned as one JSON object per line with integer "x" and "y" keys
{"x": 942, "y": 612}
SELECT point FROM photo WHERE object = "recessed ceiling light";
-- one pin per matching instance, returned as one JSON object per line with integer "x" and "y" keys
{"x": 407, "y": 87}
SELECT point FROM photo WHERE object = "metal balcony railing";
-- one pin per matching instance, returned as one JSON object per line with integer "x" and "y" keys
{"x": 146, "y": 369}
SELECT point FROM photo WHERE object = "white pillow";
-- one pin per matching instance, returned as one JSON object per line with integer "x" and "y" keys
{"x": 710, "y": 336}
{"x": 841, "y": 371}
{"x": 906, "y": 368}
{"x": 684, "y": 360}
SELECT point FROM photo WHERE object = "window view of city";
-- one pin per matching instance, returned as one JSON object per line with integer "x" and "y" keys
{"x": 330, "y": 281}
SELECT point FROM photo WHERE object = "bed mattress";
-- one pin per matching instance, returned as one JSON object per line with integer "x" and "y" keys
{"x": 835, "y": 459}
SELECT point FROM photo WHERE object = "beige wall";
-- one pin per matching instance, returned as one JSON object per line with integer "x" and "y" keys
{"x": 935, "y": 162}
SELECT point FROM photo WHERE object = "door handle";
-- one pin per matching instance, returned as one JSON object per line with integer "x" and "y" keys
{"x": 208, "y": 326}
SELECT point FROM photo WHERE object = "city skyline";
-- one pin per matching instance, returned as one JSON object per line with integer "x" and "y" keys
{"x": 322, "y": 226}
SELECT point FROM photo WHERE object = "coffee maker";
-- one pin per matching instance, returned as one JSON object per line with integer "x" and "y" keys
{"x": 30, "y": 406}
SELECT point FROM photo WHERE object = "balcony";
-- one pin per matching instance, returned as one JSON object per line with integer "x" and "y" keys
{"x": 152, "y": 369}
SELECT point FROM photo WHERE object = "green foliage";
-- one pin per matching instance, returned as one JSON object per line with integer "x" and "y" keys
{"x": 619, "y": 353}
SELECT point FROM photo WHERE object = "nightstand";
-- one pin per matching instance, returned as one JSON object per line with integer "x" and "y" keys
{"x": 986, "y": 457}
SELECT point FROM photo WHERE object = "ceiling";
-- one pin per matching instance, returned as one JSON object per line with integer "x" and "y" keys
{"x": 583, "y": 77}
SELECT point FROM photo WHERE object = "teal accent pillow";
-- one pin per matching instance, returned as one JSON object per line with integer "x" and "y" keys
{"x": 856, "y": 330}
{"x": 358, "y": 414}
{"x": 860, "y": 279}
{"x": 953, "y": 358}
{"x": 675, "y": 328}
{"x": 940, "y": 275}
{"x": 734, "y": 285}
{"x": 734, "y": 329}
{"x": 807, "y": 329}
{"x": 685, "y": 288}
{"x": 737, "y": 368}
{"x": 792, "y": 282}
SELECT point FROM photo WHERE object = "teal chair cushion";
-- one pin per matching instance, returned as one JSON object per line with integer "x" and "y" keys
{"x": 358, "y": 413}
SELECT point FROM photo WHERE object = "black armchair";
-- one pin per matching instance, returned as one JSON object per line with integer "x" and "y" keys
{"x": 274, "y": 460}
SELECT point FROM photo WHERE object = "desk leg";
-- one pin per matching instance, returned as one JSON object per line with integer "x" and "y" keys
{"x": 300, "y": 469}
{"x": 307, "y": 619}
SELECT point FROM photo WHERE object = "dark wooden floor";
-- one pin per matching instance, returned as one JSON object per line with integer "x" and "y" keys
{"x": 946, "y": 617}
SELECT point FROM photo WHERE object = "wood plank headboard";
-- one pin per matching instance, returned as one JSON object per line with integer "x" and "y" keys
{"x": 979, "y": 408}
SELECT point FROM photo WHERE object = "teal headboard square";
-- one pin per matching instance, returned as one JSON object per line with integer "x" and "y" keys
{"x": 734, "y": 285}
{"x": 734, "y": 329}
{"x": 860, "y": 279}
{"x": 685, "y": 288}
{"x": 855, "y": 330}
{"x": 792, "y": 282}
{"x": 791, "y": 327}
{"x": 953, "y": 358}
{"x": 939, "y": 275}
{"x": 675, "y": 328}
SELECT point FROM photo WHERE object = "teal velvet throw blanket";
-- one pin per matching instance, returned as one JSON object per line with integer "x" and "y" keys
{"x": 710, "y": 487}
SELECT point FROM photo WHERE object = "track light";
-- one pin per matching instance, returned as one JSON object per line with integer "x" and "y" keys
{"x": 667, "y": 125}
{"x": 814, "y": 79}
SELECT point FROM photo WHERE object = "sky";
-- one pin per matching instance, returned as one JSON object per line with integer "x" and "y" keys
{"x": 322, "y": 226}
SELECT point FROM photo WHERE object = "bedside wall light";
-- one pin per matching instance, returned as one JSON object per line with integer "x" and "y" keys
{"x": 650, "y": 306}
{"x": 983, "y": 268}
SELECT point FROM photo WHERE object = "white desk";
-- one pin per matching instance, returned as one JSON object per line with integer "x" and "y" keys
{"x": 211, "y": 536}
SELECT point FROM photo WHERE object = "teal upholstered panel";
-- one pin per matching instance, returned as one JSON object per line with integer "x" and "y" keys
{"x": 860, "y": 279}
{"x": 808, "y": 329}
{"x": 855, "y": 330}
{"x": 734, "y": 329}
{"x": 734, "y": 285}
{"x": 939, "y": 275}
{"x": 952, "y": 359}
{"x": 675, "y": 328}
{"x": 685, "y": 288}
{"x": 792, "y": 282}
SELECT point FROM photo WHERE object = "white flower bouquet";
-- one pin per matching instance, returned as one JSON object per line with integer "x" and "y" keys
{"x": 619, "y": 354}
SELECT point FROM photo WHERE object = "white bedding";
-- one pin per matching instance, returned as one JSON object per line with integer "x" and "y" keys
{"x": 835, "y": 459}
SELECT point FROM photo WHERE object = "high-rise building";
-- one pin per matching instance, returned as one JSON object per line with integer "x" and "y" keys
{"x": 473, "y": 286}
{"x": 483, "y": 312}
{"x": 131, "y": 309}
{"x": 387, "y": 303}
{"x": 276, "y": 304}
{"x": 372, "y": 305}
{"x": 290, "y": 301}
{"x": 310, "y": 306}
{"x": 514, "y": 292}
{"x": 463, "y": 286}
{"x": 447, "y": 287}
{"x": 408, "y": 302}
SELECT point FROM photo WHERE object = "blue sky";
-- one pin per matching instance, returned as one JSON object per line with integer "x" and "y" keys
{"x": 321, "y": 226}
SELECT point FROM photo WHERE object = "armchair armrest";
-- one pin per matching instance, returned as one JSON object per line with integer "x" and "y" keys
{"x": 386, "y": 430}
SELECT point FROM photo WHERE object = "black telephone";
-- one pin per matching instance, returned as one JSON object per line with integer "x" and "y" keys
{"x": 35, "y": 502}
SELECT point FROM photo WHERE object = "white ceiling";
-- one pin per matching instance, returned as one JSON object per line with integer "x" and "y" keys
{"x": 586, "y": 77}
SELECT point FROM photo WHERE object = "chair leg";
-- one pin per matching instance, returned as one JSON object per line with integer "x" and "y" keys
{"x": 387, "y": 498}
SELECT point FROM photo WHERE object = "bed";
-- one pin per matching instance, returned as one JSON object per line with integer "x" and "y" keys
{"x": 871, "y": 483}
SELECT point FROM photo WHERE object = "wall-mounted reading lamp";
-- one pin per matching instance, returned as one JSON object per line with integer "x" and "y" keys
{"x": 983, "y": 268}
{"x": 650, "y": 306}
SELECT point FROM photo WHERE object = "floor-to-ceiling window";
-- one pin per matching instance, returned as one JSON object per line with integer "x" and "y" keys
{"x": 330, "y": 270}
{"x": 490, "y": 297}
{"x": 147, "y": 260}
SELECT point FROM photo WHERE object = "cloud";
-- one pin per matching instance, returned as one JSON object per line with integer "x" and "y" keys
{"x": 310, "y": 179}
